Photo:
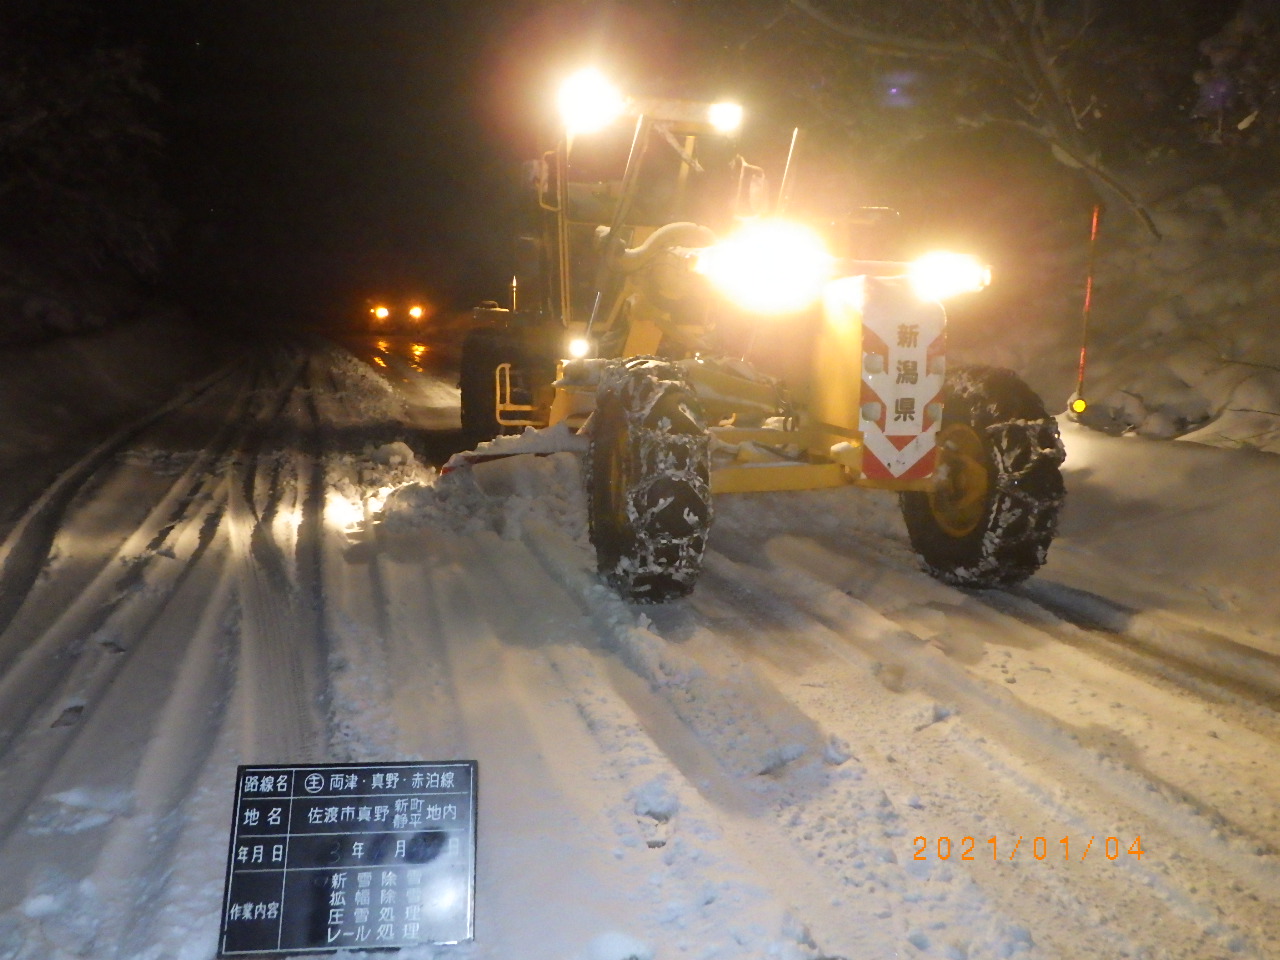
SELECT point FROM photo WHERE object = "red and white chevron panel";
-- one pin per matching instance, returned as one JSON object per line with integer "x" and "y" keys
{"x": 903, "y": 368}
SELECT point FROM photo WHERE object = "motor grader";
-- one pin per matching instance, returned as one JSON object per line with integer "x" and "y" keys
{"x": 621, "y": 291}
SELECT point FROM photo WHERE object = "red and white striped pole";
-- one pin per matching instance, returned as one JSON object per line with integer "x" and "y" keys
{"x": 1077, "y": 404}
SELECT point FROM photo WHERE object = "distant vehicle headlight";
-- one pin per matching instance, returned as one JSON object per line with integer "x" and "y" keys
{"x": 380, "y": 312}
{"x": 416, "y": 312}
{"x": 771, "y": 266}
{"x": 937, "y": 276}
{"x": 579, "y": 347}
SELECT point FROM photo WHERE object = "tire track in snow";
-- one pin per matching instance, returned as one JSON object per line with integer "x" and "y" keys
{"x": 25, "y": 550}
{"x": 280, "y": 644}
{"x": 906, "y": 660}
{"x": 77, "y": 793}
{"x": 129, "y": 861}
{"x": 107, "y": 561}
{"x": 809, "y": 785}
{"x": 1242, "y": 705}
{"x": 1171, "y": 637}
{"x": 1134, "y": 723}
{"x": 143, "y": 592}
{"x": 665, "y": 835}
{"x": 68, "y": 673}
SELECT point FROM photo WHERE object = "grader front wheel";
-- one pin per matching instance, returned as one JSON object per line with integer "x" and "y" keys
{"x": 993, "y": 511}
{"x": 959, "y": 500}
{"x": 648, "y": 487}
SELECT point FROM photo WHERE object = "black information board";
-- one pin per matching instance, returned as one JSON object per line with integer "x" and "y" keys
{"x": 350, "y": 856}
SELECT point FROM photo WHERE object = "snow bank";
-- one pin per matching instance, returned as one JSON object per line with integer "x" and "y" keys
{"x": 1183, "y": 339}
{"x": 1203, "y": 522}
{"x": 57, "y": 398}
{"x": 502, "y": 495}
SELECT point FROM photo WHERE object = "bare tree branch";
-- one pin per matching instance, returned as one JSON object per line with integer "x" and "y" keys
{"x": 899, "y": 46}
{"x": 1023, "y": 40}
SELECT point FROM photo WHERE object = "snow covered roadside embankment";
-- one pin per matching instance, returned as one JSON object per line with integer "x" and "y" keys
{"x": 58, "y": 398}
{"x": 1184, "y": 336}
{"x": 1176, "y": 529}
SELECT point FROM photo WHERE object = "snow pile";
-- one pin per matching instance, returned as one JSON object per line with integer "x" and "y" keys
{"x": 375, "y": 471}
{"x": 551, "y": 440}
{"x": 1184, "y": 338}
{"x": 502, "y": 495}
{"x": 500, "y": 486}
{"x": 365, "y": 396}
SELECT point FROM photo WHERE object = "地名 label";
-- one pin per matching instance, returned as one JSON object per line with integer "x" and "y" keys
{"x": 350, "y": 856}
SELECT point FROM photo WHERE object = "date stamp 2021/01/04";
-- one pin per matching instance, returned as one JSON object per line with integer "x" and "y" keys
{"x": 1037, "y": 848}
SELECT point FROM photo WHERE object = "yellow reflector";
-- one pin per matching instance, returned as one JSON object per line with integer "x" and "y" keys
{"x": 1078, "y": 405}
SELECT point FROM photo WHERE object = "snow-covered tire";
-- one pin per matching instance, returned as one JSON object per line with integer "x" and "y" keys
{"x": 994, "y": 511}
{"x": 648, "y": 481}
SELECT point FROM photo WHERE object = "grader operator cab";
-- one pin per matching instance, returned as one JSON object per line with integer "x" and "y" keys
{"x": 610, "y": 332}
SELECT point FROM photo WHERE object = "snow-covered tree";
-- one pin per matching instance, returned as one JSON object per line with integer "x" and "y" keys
{"x": 79, "y": 205}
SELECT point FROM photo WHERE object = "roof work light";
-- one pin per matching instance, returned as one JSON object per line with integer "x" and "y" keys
{"x": 588, "y": 102}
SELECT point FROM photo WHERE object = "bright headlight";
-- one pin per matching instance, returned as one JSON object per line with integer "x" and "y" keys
{"x": 771, "y": 266}
{"x": 937, "y": 276}
{"x": 588, "y": 102}
{"x": 380, "y": 312}
{"x": 725, "y": 117}
{"x": 579, "y": 347}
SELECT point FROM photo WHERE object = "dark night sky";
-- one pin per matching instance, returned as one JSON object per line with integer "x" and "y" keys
{"x": 324, "y": 151}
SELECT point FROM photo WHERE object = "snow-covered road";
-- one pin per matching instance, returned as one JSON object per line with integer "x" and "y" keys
{"x": 822, "y": 753}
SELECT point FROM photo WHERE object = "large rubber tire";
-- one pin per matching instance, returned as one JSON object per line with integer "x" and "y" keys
{"x": 994, "y": 512}
{"x": 648, "y": 481}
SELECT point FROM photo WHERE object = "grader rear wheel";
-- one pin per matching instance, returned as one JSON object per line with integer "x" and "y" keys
{"x": 993, "y": 512}
{"x": 648, "y": 487}
{"x": 529, "y": 376}
{"x": 482, "y": 351}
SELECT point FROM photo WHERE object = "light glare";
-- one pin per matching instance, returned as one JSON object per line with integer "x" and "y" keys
{"x": 579, "y": 347}
{"x": 937, "y": 276}
{"x": 725, "y": 117}
{"x": 771, "y": 266}
{"x": 588, "y": 102}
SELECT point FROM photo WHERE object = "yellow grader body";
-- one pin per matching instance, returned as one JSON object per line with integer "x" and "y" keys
{"x": 631, "y": 274}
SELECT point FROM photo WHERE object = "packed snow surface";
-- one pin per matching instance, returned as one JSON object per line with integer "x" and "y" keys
{"x": 821, "y": 753}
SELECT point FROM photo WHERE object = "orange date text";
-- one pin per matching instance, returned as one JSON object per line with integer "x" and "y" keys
{"x": 1029, "y": 848}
